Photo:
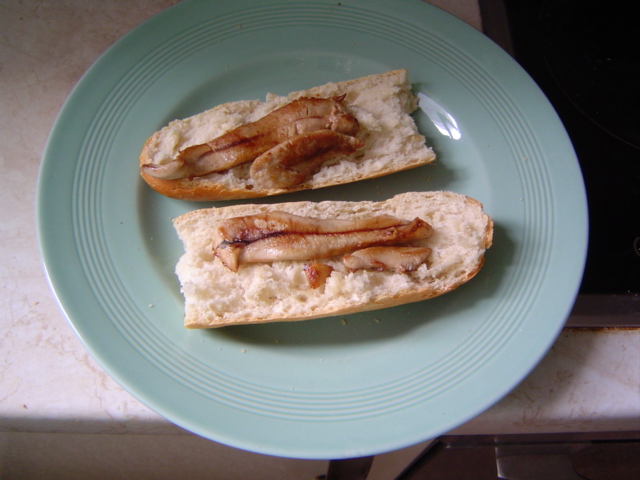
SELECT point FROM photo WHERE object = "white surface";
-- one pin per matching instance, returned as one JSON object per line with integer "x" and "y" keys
{"x": 589, "y": 381}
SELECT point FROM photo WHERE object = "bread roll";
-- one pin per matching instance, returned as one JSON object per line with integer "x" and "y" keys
{"x": 381, "y": 103}
{"x": 267, "y": 292}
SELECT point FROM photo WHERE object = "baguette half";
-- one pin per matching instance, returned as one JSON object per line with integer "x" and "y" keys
{"x": 267, "y": 292}
{"x": 382, "y": 104}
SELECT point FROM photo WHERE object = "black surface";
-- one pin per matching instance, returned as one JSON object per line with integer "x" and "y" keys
{"x": 584, "y": 56}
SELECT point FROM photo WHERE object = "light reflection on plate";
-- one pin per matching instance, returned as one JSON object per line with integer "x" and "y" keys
{"x": 442, "y": 120}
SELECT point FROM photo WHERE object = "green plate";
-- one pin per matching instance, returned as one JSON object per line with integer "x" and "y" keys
{"x": 329, "y": 388}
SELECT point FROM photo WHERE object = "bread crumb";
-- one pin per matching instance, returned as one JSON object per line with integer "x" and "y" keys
{"x": 243, "y": 351}
{"x": 344, "y": 321}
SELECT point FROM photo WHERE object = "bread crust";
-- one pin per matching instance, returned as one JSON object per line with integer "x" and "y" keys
{"x": 465, "y": 216}
{"x": 408, "y": 147}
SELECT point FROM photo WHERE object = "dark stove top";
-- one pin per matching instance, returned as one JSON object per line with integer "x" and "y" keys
{"x": 585, "y": 59}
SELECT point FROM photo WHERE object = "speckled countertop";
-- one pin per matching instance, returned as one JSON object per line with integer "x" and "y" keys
{"x": 589, "y": 381}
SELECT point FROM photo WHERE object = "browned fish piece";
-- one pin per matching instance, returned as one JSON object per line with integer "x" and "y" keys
{"x": 246, "y": 142}
{"x": 317, "y": 273}
{"x": 250, "y": 228}
{"x": 297, "y": 241}
{"x": 399, "y": 259}
{"x": 296, "y": 160}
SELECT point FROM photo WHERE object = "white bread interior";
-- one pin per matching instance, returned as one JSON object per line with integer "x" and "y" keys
{"x": 258, "y": 293}
{"x": 382, "y": 103}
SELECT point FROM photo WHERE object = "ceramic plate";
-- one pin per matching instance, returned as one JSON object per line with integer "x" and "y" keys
{"x": 337, "y": 387}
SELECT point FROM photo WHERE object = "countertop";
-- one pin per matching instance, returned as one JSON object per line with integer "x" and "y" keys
{"x": 588, "y": 381}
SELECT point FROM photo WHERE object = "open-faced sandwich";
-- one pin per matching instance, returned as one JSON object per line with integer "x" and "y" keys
{"x": 301, "y": 260}
{"x": 327, "y": 135}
